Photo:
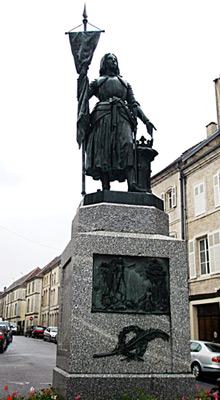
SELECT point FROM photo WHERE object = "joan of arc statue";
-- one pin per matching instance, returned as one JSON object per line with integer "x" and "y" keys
{"x": 110, "y": 144}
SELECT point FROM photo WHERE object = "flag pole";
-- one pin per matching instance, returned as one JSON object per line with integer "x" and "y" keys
{"x": 83, "y": 45}
{"x": 85, "y": 21}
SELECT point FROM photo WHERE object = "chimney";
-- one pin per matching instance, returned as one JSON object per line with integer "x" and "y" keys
{"x": 211, "y": 128}
{"x": 217, "y": 95}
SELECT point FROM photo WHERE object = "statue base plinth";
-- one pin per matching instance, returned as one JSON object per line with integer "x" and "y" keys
{"x": 130, "y": 198}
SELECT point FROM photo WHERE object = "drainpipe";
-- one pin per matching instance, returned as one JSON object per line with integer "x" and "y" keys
{"x": 182, "y": 201}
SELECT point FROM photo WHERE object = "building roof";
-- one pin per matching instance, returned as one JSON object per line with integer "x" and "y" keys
{"x": 21, "y": 281}
{"x": 49, "y": 266}
{"x": 189, "y": 153}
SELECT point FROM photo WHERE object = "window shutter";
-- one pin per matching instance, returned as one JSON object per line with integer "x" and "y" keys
{"x": 216, "y": 185}
{"x": 173, "y": 196}
{"x": 214, "y": 251}
{"x": 199, "y": 199}
{"x": 192, "y": 268}
{"x": 202, "y": 197}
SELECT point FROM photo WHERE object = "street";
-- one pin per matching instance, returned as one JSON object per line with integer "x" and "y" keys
{"x": 29, "y": 363}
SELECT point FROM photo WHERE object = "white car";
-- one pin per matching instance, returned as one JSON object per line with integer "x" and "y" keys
{"x": 205, "y": 358}
{"x": 50, "y": 334}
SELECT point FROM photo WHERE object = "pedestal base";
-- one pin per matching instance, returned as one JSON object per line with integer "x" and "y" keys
{"x": 124, "y": 288}
{"x": 107, "y": 386}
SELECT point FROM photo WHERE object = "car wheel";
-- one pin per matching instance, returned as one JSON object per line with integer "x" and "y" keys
{"x": 196, "y": 370}
{"x": 44, "y": 339}
{"x": 2, "y": 349}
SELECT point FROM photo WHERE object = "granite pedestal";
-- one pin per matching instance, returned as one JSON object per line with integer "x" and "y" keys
{"x": 130, "y": 233}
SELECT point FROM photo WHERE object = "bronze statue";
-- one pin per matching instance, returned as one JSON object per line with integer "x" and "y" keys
{"x": 113, "y": 123}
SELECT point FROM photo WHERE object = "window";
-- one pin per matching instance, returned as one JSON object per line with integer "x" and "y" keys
{"x": 196, "y": 347}
{"x": 204, "y": 256}
{"x": 199, "y": 198}
{"x": 214, "y": 251}
{"x": 16, "y": 309}
{"x": 28, "y": 305}
{"x": 192, "y": 269}
{"x": 32, "y": 286}
{"x": 169, "y": 198}
{"x": 173, "y": 235}
{"x": 216, "y": 185}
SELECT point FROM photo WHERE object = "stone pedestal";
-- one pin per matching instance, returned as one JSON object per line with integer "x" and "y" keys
{"x": 137, "y": 235}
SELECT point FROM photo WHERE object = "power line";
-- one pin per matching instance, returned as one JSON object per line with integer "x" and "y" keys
{"x": 29, "y": 240}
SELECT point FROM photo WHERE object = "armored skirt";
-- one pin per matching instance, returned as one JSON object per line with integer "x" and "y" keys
{"x": 110, "y": 142}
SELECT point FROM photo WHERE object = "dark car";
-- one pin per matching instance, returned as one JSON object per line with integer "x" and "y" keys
{"x": 3, "y": 341}
{"x": 28, "y": 332}
{"x": 38, "y": 332}
{"x": 5, "y": 326}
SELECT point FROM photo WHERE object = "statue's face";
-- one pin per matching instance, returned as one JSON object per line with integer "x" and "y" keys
{"x": 111, "y": 62}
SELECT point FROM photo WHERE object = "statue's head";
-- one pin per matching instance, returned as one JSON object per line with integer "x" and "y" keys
{"x": 108, "y": 62}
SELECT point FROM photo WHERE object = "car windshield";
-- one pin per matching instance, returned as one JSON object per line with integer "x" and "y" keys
{"x": 39, "y": 328}
{"x": 53, "y": 329}
{"x": 215, "y": 348}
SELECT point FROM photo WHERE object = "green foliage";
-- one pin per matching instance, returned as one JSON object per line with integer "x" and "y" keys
{"x": 49, "y": 394}
{"x": 140, "y": 395}
{"x": 43, "y": 394}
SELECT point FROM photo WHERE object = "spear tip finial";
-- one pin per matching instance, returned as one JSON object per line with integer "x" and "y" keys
{"x": 85, "y": 12}
{"x": 85, "y": 17}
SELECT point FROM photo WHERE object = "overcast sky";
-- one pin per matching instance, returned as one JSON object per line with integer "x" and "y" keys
{"x": 167, "y": 50}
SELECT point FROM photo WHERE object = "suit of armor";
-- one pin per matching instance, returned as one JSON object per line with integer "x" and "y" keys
{"x": 110, "y": 149}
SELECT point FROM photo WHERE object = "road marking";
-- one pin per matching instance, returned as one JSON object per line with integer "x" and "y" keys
{"x": 20, "y": 383}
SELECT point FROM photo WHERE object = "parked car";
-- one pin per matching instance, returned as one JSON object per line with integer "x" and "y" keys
{"x": 50, "y": 334}
{"x": 29, "y": 330}
{"x": 205, "y": 358}
{"x": 3, "y": 341}
{"x": 5, "y": 326}
{"x": 38, "y": 332}
{"x": 14, "y": 328}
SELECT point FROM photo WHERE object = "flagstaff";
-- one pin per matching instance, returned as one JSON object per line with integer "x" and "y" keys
{"x": 83, "y": 45}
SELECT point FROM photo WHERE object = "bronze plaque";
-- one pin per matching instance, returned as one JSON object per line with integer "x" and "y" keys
{"x": 127, "y": 284}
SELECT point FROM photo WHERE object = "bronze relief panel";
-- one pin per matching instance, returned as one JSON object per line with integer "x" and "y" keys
{"x": 130, "y": 284}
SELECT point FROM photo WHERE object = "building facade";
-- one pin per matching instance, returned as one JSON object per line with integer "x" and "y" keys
{"x": 34, "y": 298}
{"x": 51, "y": 275}
{"x": 14, "y": 300}
{"x": 190, "y": 189}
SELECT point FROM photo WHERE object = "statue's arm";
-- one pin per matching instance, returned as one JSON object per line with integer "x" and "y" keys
{"x": 137, "y": 111}
{"x": 150, "y": 127}
{"x": 92, "y": 88}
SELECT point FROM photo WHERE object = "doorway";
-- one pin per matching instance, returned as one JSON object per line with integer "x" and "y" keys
{"x": 209, "y": 322}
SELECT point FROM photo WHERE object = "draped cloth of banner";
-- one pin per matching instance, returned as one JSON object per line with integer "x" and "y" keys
{"x": 83, "y": 45}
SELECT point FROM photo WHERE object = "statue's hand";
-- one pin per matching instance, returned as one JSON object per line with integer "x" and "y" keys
{"x": 150, "y": 128}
